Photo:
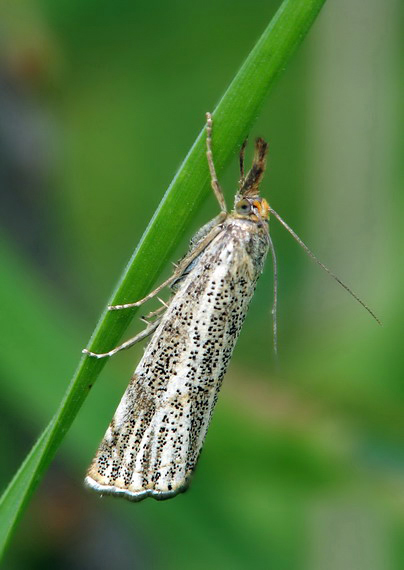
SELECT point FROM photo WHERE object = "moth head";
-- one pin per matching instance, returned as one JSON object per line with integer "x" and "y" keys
{"x": 253, "y": 208}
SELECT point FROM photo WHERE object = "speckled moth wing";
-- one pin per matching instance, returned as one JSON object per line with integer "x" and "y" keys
{"x": 154, "y": 440}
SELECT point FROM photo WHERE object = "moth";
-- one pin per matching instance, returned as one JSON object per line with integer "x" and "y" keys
{"x": 154, "y": 440}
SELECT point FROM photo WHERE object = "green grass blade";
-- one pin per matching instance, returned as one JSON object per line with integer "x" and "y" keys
{"x": 22, "y": 486}
{"x": 233, "y": 118}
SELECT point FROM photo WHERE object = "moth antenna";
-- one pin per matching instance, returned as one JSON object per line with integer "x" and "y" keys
{"x": 275, "y": 299}
{"x": 241, "y": 159}
{"x": 326, "y": 269}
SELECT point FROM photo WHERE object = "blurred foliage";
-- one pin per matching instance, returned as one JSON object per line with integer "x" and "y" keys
{"x": 233, "y": 117}
{"x": 100, "y": 101}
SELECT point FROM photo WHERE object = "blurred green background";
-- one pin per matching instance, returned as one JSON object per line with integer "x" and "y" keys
{"x": 99, "y": 103}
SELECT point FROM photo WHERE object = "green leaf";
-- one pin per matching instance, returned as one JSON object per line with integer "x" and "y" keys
{"x": 233, "y": 118}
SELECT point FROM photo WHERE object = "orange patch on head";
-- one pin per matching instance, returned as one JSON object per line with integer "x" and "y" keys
{"x": 262, "y": 207}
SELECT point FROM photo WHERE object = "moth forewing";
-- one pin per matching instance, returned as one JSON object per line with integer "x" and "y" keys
{"x": 155, "y": 438}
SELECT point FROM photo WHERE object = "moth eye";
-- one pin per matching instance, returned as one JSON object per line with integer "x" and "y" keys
{"x": 243, "y": 207}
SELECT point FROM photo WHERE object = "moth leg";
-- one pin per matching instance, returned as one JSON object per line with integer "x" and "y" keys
{"x": 146, "y": 318}
{"x": 131, "y": 342}
{"x": 182, "y": 266}
{"x": 209, "y": 154}
{"x": 154, "y": 313}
